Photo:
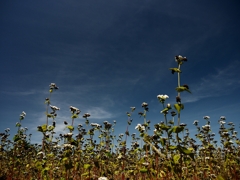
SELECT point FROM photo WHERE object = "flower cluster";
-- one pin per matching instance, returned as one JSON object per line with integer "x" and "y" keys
{"x": 74, "y": 110}
{"x": 162, "y": 98}
{"x": 22, "y": 115}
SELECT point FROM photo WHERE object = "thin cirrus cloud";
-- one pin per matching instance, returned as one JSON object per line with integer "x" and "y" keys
{"x": 223, "y": 82}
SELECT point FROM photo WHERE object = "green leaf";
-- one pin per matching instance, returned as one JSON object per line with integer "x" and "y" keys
{"x": 172, "y": 147}
{"x": 71, "y": 128}
{"x": 164, "y": 111}
{"x": 87, "y": 166}
{"x": 186, "y": 151}
{"x": 219, "y": 177}
{"x": 182, "y": 88}
{"x": 176, "y": 158}
{"x": 164, "y": 127}
{"x": 177, "y": 129}
{"x": 16, "y": 138}
{"x": 50, "y": 115}
{"x": 143, "y": 170}
{"x": 163, "y": 141}
{"x": 74, "y": 116}
{"x": 146, "y": 147}
{"x": 50, "y": 128}
{"x": 178, "y": 107}
{"x": 18, "y": 124}
{"x": 44, "y": 127}
{"x": 175, "y": 70}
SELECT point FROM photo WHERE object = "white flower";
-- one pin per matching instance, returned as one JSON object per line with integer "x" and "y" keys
{"x": 40, "y": 153}
{"x": 145, "y": 163}
{"x": 144, "y": 104}
{"x": 22, "y": 115}
{"x": 57, "y": 146}
{"x": 69, "y": 134}
{"x": 180, "y": 58}
{"x": 206, "y": 117}
{"x": 222, "y": 122}
{"x": 133, "y": 108}
{"x": 223, "y": 118}
{"x": 162, "y": 97}
{"x": 195, "y": 122}
{"x": 73, "y": 109}
{"x": 206, "y": 127}
{"x": 68, "y": 145}
{"x": 102, "y": 178}
{"x": 54, "y": 108}
{"x": 140, "y": 127}
{"x": 53, "y": 86}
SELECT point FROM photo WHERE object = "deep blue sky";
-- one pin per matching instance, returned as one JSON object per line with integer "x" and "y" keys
{"x": 108, "y": 55}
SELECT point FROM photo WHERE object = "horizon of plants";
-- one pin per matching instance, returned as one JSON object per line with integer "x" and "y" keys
{"x": 96, "y": 153}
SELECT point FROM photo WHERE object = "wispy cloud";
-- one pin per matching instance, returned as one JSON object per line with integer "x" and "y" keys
{"x": 223, "y": 82}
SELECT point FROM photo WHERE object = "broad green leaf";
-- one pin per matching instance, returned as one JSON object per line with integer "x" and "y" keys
{"x": 176, "y": 158}
{"x": 219, "y": 177}
{"x": 164, "y": 127}
{"x": 179, "y": 107}
{"x": 163, "y": 141}
{"x": 71, "y": 128}
{"x": 172, "y": 147}
{"x": 74, "y": 116}
{"x": 16, "y": 138}
{"x": 146, "y": 147}
{"x": 87, "y": 166}
{"x": 143, "y": 170}
{"x": 175, "y": 70}
{"x": 44, "y": 127}
{"x": 186, "y": 151}
{"x": 182, "y": 88}
{"x": 177, "y": 129}
{"x": 50, "y": 128}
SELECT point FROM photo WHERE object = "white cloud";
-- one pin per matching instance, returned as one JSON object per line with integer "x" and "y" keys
{"x": 223, "y": 82}
{"x": 99, "y": 113}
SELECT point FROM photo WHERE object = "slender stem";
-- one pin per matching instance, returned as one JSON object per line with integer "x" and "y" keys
{"x": 179, "y": 92}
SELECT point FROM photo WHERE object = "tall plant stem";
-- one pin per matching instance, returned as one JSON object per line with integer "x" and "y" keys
{"x": 179, "y": 92}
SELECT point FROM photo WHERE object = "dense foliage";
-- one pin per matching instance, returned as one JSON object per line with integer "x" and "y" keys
{"x": 95, "y": 152}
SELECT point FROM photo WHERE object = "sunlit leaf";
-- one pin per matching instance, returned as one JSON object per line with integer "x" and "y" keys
{"x": 176, "y": 158}
{"x": 177, "y": 129}
{"x": 87, "y": 166}
{"x": 179, "y": 107}
{"x": 143, "y": 170}
{"x": 71, "y": 128}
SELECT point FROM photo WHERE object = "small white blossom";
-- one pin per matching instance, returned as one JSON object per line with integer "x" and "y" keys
{"x": 68, "y": 145}
{"x": 195, "y": 122}
{"x": 102, "y": 178}
{"x": 206, "y": 127}
{"x": 223, "y": 118}
{"x": 162, "y": 97}
{"x": 40, "y": 153}
{"x": 144, "y": 104}
{"x": 222, "y": 122}
{"x": 206, "y": 117}
{"x": 54, "y": 108}
{"x": 145, "y": 163}
{"x": 140, "y": 127}
{"x": 180, "y": 58}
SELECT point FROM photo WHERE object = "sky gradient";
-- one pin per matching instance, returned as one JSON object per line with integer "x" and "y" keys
{"x": 106, "y": 56}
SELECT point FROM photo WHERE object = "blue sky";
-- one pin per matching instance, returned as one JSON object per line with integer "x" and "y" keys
{"x": 108, "y": 55}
